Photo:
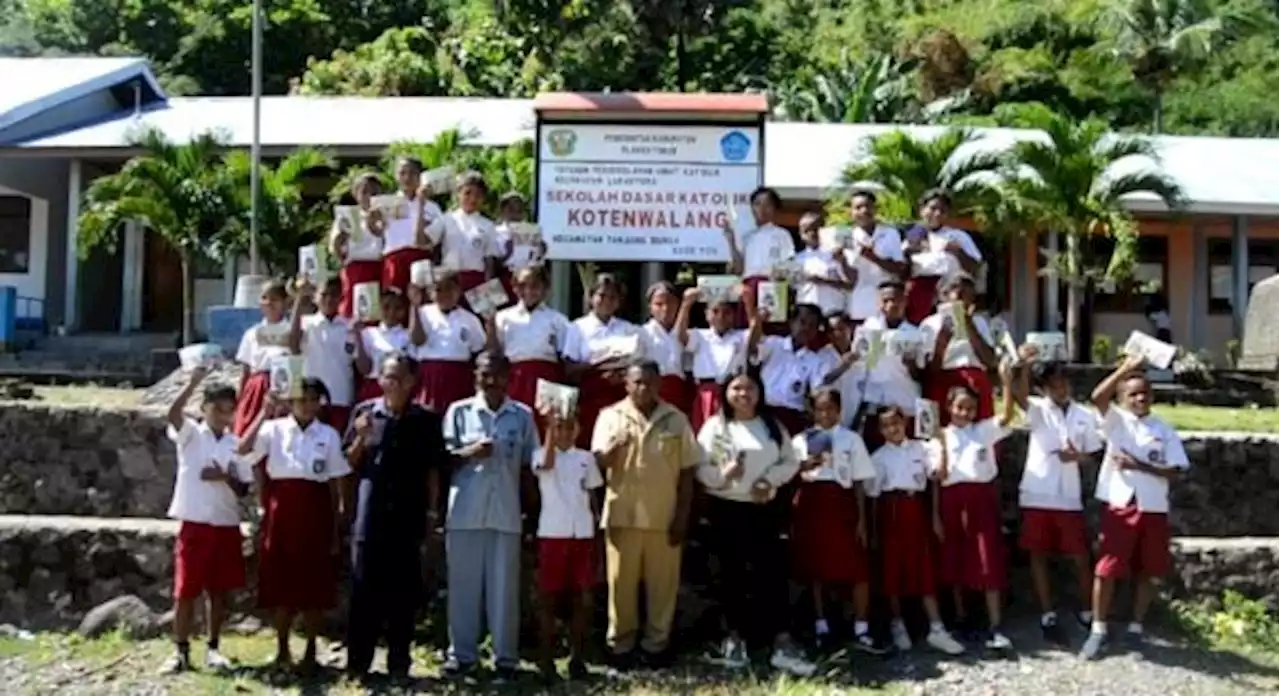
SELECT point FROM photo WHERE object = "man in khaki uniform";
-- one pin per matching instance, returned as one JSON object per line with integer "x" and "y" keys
{"x": 649, "y": 454}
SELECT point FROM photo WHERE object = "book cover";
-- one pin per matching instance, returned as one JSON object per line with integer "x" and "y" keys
{"x": 206, "y": 355}
{"x": 392, "y": 205}
{"x": 313, "y": 264}
{"x": 440, "y": 179}
{"x": 422, "y": 274}
{"x": 772, "y": 295}
{"x": 487, "y": 298}
{"x": 559, "y": 399}
{"x": 718, "y": 288}
{"x": 286, "y": 376}
{"x": 926, "y": 421}
{"x": 1157, "y": 353}
{"x": 835, "y": 238}
{"x": 1050, "y": 345}
{"x": 368, "y": 301}
{"x": 350, "y": 221}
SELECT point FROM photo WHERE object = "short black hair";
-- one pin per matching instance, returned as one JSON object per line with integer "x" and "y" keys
{"x": 864, "y": 193}
{"x": 493, "y": 360}
{"x": 769, "y": 193}
{"x": 934, "y": 194}
{"x": 660, "y": 286}
{"x": 830, "y": 394}
{"x": 808, "y": 308}
{"x": 511, "y": 197}
{"x": 219, "y": 392}
{"x": 647, "y": 366}
{"x": 1042, "y": 372}
{"x": 609, "y": 281}
{"x": 893, "y": 284}
{"x": 472, "y": 178}
{"x": 890, "y": 409}
{"x": 402, "y": 359}
{"x": 366, "y": 179}
{"x": 958, "y": 391}
{"x": 316, "y": 388}
{"x": 275, "y": 289}
{"x": 333, "y": 285}
{"x": 411, "y": 162}
{"x": 812, "y": 217}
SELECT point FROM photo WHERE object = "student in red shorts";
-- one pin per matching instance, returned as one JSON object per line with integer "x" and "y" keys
{"x": 207, "y": 557}
{"x": 567, "y": 524}
{"x": 1063, "y": 432}
{"x": 1144, "y": 454}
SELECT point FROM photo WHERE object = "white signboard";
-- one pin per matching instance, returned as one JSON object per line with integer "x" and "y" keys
{"x": 643, "y": 192}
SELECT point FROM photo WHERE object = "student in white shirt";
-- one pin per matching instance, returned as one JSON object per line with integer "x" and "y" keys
{"x": 847, "y": 376}
{"x": 207, "y": 558}
{"x": 600, "y": 345}
{"x": 512, "y": 209}
{"x": 959, "y": 358}
{"x": 662, "y": 343}
{"x": 445, "y": 337}
{"x": 718, "y": 352}
{"x": 391, "y": 335}
{"x": 876, "y": 255}
{"x": 1143, "y": 456}
{"x": 404, "y": 239}
{"x": 1063, "y": 433}
{"x": 325, "y": 340}
{"x": 747, "y": 458}
{"x": 789, "y": 366}
{"x": 361, "y": 259}
{"x": 567, "y": 522}
{"x": 890, "y": 353}
{"x": 263, "y": 343}
{"x": 902, "y": 526}
{"x": 829, "y": 520}
{"x": 533, "y": 337}
{"x": 824, "y": 274}
{"x": 755, "y": 253}
{"x": 967, "y": 503}
{"x": 465, "y": 236}
{"x": 935, "y": 252}
{"x": 303, "y": 501}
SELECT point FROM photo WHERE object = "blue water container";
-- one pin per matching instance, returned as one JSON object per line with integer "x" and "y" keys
{"x": 8, "y": 318}
{"x": 227, "y": 325}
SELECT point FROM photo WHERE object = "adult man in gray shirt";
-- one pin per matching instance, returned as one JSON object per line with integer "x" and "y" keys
{"x": 493, "y": 439}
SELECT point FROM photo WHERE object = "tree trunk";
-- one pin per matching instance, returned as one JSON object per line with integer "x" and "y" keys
{"x": 1159, "y": 112}
{"x": 1072, "y": 275}
{"x": 188, "y": 298}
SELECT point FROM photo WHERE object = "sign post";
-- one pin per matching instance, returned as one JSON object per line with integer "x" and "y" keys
{"x": 647, "y": 178}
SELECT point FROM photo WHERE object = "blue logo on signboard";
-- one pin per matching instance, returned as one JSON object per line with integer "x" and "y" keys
{"x": 735, "y": 146}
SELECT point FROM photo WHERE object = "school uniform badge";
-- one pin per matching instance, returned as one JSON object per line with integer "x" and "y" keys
{"x": 1155, "y": 457}
{"x": 797, "y": 387}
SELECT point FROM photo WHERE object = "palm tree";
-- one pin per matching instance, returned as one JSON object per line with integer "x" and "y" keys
{"x": 875, "y": 91}
{"x": 287, "y": 218}
{"x": 1161, "y": 38}
{"x": 181, "y": 192}
{"x": 908, "y": 166}
{"x": 1063, "y": 183}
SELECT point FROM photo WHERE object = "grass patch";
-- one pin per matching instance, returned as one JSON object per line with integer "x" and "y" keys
{"x": 56, "y": 662}
{"x": 82, "y": 395}
{"x": 1239, "y": 625}
{"x": 1214, "y": 419}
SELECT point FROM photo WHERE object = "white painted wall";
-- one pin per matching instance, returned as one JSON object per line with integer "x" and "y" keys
{"x": 31, "y": 283}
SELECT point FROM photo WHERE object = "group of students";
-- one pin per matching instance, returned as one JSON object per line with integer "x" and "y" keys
{"x": 797, "y": 447}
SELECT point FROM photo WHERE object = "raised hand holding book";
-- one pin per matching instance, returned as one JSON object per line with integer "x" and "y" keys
{"x": 718, "y": 288}
{"x": 1157, "y": 353}
{"x": 558, "y": 399}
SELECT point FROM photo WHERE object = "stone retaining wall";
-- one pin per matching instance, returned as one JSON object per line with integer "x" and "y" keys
{"x": 117, "y": 463}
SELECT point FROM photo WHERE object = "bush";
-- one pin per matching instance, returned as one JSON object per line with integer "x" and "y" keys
{"x": 1101, "y": 351}
{"x": 1241, "y": 623}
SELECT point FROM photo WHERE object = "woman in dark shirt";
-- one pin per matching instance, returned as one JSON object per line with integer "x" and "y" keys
{"x": 394, "y": 446}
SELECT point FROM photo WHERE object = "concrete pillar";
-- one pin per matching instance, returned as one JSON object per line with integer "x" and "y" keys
{"x": 1239, "y": 271}
{"x": 132, "y": 277}
{"x": 1198, "y": 308}
{"x": 71, "y": 300}
{"x": 1051, "y": 305}
{"x": 650, "y": 273}
{"x": 561, "y": 284}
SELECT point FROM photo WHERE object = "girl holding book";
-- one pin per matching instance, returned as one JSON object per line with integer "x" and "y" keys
{"x": 259, "y": 346}
{"x": 533, "y": 337}
{"x": 789, "y": 366}
{"x": 600, "y": 345}
{"x": 754, "y": 254}
{"x": 961, "y": 352}
{"x": 405, "y": 240}
{"x": 465, "y": 236}
{"x": 359, "y": 248}
{"x": 445, "y": 338}
{"x": 303, "y": 504}
{"x": 718, "y": 351}
{"x": 934, "y": 252}
{"x": 390, "y": 335}
{"x": 662, "y": 344}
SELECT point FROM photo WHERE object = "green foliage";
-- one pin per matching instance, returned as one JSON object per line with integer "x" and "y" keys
{"x": 1239, "y": 623}
{"x": 287, "y": 220}
{"x": 1102, "y": 350}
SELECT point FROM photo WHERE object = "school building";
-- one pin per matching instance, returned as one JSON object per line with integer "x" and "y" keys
{"x": 65, "y": 121}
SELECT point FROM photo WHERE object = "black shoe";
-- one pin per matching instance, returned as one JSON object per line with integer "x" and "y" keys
{"x": 622, "y": 662}
{"x": 658, "y": 660}
{"x": 866, "y": 643}
{"x": 578, "y": 670}
{"x": 1052, "y": 632}
{"x": 453, "y": 669}
{"x": 505, "y": 675}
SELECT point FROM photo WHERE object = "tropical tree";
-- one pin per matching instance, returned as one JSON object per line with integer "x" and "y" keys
{"x": 287, "y": 217}
{"x": 1164, "y": 38}
{"x": 907, "y": 166}
{"x": 182, "y": 192}
{"x": 874, "y": 91}
{"x": 1068, "y": 182}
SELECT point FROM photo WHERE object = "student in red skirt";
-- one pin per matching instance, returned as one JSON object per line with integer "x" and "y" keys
{"x": 789, "y": 366}
{"x": 848, "y": 377}
{"x": 756, "y": 252}
{"x": 662, "y": 344}
{"x": 206, "y": 559}
{"x": 445, "y": 338}
{"x": 935, "y": 252}
{"x": 507, "y": 262}
{"x": 719, "y": 352}
{"x": 907, "y": 553}
{"x": 324, "y": 340}
{"x": 959, "y": 356}
{"x": 391, "y": 335}
{"x": 362, "y": 259}
{"x": 532, "y": 336}
{"x": 404, "y": 239}
{"x": 567, "y": 522}
{"x": 465, "y": 236}
{"x": 262, "y": 343}
{"x": 829, "y": 519}
{"x": 592, "y": 347}
{"x": 967, "y": 503}
{"x": 303, "y": 508}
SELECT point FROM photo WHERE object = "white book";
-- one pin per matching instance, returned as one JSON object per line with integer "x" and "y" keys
{"x": 487, "y": 298}
{"x": 559, "y": 399}
{"x": 439, "y": 179}
{"x": 1157, "y": 353}
{"x": 954, "y": 315}
{"x": 526, "y": 244}
{"x": 787, "y": 269}
{"x": 350, "y": 221}
{"x": 926, "y": 422}
{"x": 930, "y": 263}
{"x": 773, "y": 296}
{"x": 393, "y": 206}
{"x": 869, "y": 345}
{"x": 835, "y": 238}
{"x": 615, "y": 348}
{"x": 903, "y": 343}
{"x": 286, "y": 376}
{"x": 368, "y": 301}
{"x": 313, "y": 264}
{"x": 206, "y": 355}
{"x": 1050, "y": 345}
{"x": 422, "y": 273}
{"x": 719, "y": 288}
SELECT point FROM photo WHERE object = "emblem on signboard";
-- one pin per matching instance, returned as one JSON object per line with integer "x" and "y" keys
{"x": 562, "y": 141}
{"x": 735, "y": 146}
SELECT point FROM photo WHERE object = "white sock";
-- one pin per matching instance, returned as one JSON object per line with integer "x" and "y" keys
{"x": 937, "y": 627}
{"x": 860, "y": 628}
{"x": 1098, "y": 627}
{"x": 1048, "y": 618}
{"x": 820, "y": 627}
{"x": 1135, "y": 627}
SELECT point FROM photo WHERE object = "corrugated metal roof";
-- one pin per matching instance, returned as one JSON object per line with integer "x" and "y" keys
{"x": 31, "y": 85}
